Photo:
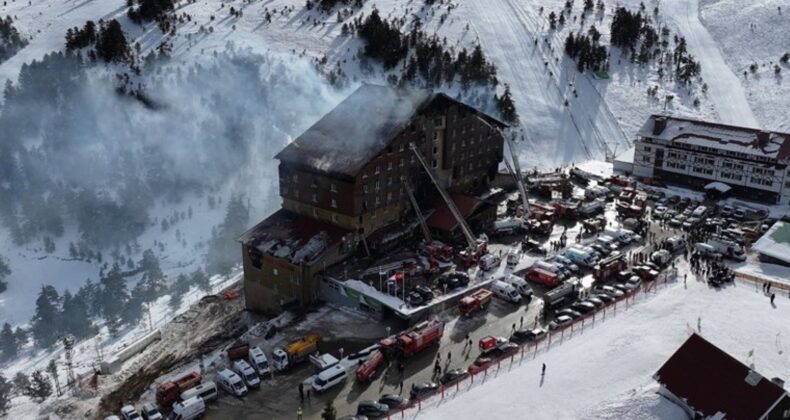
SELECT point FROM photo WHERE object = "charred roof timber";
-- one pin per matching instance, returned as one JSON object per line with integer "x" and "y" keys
{"x": 363, "y": 126}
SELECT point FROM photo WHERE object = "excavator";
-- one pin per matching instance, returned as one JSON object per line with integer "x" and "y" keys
{"x": 476, "y": 248}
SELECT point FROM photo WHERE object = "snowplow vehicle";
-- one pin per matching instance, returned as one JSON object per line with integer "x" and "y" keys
{"x": 295, "y": 352}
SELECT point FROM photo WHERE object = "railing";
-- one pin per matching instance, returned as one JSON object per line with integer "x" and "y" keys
{"x": 545, "y": 343}
{"x": 757, "y": 280}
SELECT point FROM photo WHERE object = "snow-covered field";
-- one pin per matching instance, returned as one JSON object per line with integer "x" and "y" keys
{"x": 605, "y": 371}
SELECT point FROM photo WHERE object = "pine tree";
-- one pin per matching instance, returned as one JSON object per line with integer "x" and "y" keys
{"x": 113, "y": 297}
{"x": 506, "y": 107}
{"x": 111, "y": 45}
{"x": 21, "y": 383}
{"x": 178, "y": 290}
{"x": 329, "y": 412}
{"x": 46, "y": 322}
{"x": 133, "y": 310}
{"x": 5, "y": 395}
{"x": 553, "y": 20}
{"x": 5, "y": 271}
{"x": 20, "y": 336}
{"x": 75, "y": 316}
{"x": 8, "y": 345}
{"x": 152, "y": 281}
{"x": 40, "y": 388}
{"x": 52, "y": 370}
{"x": 201, "y": 280}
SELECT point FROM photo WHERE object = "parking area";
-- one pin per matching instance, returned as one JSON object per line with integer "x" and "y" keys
{"x": 606, "y": 240}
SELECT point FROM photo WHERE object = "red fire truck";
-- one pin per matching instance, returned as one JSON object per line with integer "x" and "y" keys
{"x": 415, "y": 339}
{"x": 477, "y": 301}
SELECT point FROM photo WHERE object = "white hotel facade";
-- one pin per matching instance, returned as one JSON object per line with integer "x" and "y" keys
{"x": 691, "y": 153}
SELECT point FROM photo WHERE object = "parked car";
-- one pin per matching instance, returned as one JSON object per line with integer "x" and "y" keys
{"x": 567, "y": 263}
{"x": 151, "y": 412}
{"x": 604, "y": 297}
{"x": 415, "y": 299}
{"x": 594, "y": 300}
{"x": 610, "y": 290}
{"x": 632, "y": 283}
{"x": 425, "y": 292}
{"x": 372, "y": 409}
{"x": 349, "y": 417}
{"x": 568, "y": 312}
{"x": 130, "y": 413}
{"x": 393, "y": 401}
{"x": 423, "y": 390}
{"x": 560, "y": 322}
{"x": 454, "y": 280}
{"x": 480, "y": 364}
{"x": 583, "y": 307}
{"x": 453, "y": 376}
{"x": 526, "y": 335}
{"x": 503, "y": 350}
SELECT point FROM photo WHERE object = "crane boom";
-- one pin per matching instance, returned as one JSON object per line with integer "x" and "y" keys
{"x": 425, "y": 232}
{"x": 470, "y": 238}
{"x": 519, "y": 178}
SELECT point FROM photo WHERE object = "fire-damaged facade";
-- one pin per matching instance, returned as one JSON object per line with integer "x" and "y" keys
{"x": 347, "y": 177}
{"x": 752, "y": 163}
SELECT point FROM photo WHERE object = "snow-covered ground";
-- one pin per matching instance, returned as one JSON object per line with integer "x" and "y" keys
{"x": 605, "y": 370}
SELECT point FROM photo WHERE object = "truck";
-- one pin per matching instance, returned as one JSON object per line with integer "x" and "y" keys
{"x": 541, "y": 276}
{"x": 415, "y": 339}
{"x": 239, "y": 351}
{"x": 728, "y": 249}
{"x": 508, "y": 226}
{"x": 168, "y": 392}
{"x": 295, "y": 352}
{"x": 580, "y": 257}
{"x": 591, "y": 208}
{"x": 540, "y": 227}
{"x": 607, "y": 268}
{"x": 366, "y": 370}
{"x": 566, "y": 292}
{"x": 477, "y": 301}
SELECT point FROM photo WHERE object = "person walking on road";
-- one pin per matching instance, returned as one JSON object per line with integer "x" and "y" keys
{"x": 449, "y": 356}
{"x": 400, "y": 387}
{"x": 543, "y": 370}
{"x": 301, "y": 392}
{"x": 299, "y": 413}
{"x": 773, "y": 296}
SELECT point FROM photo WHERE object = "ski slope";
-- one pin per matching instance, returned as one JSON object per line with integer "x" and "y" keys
{"x": 605, "y": 371}
{"x": 724, "y": 87}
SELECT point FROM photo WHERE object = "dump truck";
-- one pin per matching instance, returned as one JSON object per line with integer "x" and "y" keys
{"x": 477, "y": 301}
{"x": 415, "y": 339}
{"x": 240, "y": 351}
{"x": 169, "y": 391}
{"x": 566, "y": 292}
{"x": 295, "y": 352}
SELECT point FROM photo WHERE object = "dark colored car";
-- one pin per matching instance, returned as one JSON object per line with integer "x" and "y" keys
{"x": 624, "y": 275}
{"x": 393, "y": 401}
{"x": 454, "y": 280}
{"x": 525, "y": 335}
{"x": 423, "y": 390}
{"x": 372, "y": 409}
{"x": 503, "y": 350}
{"x": 453, "y": 376}
{"x": 569, "y": 312}
{"x": 583, "y": 307}
{"x": 415, "y": 299}
{"x": 480, "y": 364}
{"x": 604, "y": 297}
{"x": 533, "y": 246}
{"x": 425, "y": 292}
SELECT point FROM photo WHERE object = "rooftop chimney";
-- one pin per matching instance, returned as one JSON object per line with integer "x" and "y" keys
{"x": 762, "y": 138}
{"x": 659, "y": 124}
{"x": 778, "y": 381}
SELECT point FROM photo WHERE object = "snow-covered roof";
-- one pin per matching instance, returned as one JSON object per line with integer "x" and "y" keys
{"x": 290, "y": 236}
{"x": 718, "y": 186}
{"x": 775, "y": 243}
{"x": 361, "y": 127}
{"x": 730, "y": 138}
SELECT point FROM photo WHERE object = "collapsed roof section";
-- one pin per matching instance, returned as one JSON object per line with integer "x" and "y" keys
{"x": 361, "y": 127}
{"x": 293, "y": 237}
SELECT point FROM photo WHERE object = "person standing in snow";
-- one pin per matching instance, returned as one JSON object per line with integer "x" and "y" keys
{"x": 773, "y": 295}
{"x": 543, "y": 370}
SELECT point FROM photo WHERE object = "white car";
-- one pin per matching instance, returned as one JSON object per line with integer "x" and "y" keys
{"x": 130, "y": 413}
{"x": 632, "y": 283}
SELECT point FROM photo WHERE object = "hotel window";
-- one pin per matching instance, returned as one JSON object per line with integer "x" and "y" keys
{"x": 315, "y": 213}
{"x": 377, "y": 169}
{"x": 296, "y": 193}
{"x": 334, "y": 218}
{"x": 365, "y": 188}
{"x": 435, "y": 135}
{"x": 333, "y": 187}
{"x": 389, "y": 181}
{"x": 401, "y": 147}
{"x": 334, "y": 203}
{"x": 376, "y": 187}
{"x": 274, "y": 271}
{"x": 315, "y": 198}
{"x": 378, "y": 201}
{"x": 296, "y": 177}
{"x": 400, "y": 163}
{"x": 389, "y": 197}
{"x": 646, "y": 159}
{"x": 389, "y": 166}
{"x": 434, "y": 163}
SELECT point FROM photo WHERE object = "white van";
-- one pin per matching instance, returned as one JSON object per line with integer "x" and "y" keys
{"x": 329, "y": 377}
{"x": 192, "y": 408}
{"x": 705, "y": 250}
{"x": 608, "y": 242}
{"x": 505, "y": 291}
{"x": 581, "y": 257}
{"x": 231, "y": 383}
{"x": 247, "y": 373}
{"x": 259, "y": 361}
{"x": 489, "y": 261}
{"x": 512, "y": 258}
{"x": 206, "y": 390}
{"x": 699, "y": 212}
{"x": 624, "y": 236}
{"x": 518, "y": 283}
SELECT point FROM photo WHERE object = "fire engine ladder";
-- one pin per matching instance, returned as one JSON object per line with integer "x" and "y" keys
{"x": 424, "y": 226}
{"x": 470, "y": 238}
{"x": 519, "y": 177}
